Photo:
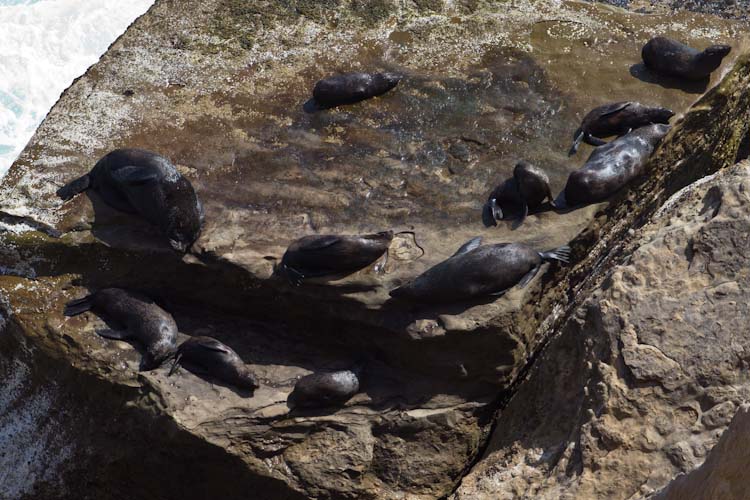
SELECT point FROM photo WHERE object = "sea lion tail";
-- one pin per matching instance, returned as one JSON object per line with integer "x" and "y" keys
{"x": 78, "y": 306}
{"x": 562, "y": 254}
{"x": 74, "y": 187}
{"x": 577, "y": 138}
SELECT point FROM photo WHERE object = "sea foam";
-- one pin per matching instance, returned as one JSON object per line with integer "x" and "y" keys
{"x": 44, "y": 46}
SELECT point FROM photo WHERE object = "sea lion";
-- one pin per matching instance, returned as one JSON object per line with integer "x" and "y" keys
{"x": 617, "y": 118}
{"x": 351, "y": 88}
{"x": 672, "y": 58}
{"x": 138, "y": 316}
{"x": 206, "y": 355}
{"x": 612, "y": 166}
{"x": 325, "y": 388}
{"x": 476, "y": 271}
{"x": 331, "y": 255}
{"x": 528, "y": 188}
{"x": 142, "y": 182}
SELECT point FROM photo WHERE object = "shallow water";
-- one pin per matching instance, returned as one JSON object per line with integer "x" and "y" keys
{"x": 44, "y": 46}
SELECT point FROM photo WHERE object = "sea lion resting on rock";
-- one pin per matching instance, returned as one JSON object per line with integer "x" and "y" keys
{"x": 672, "y": 58}
{"x": 350, "y": 88}
{"x": 612, "y": 166}
{"x": 325, "y": 388}
{"x": 617, "y": 118}
{"x": 141, "y": 319}
{"x": 206, "y": 355}
{"x": 476, "y": 271}
{"x": 528, "y": 188}
{"x": 332, "y": 255}
{"x": 142, "y": 182}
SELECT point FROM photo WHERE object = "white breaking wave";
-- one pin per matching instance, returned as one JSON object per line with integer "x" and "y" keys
{"x": 44, "y": 46}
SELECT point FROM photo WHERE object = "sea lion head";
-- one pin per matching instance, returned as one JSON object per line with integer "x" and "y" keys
{"x": 711, "y": 58}
{"x": 655, "y": 133}
{"x": 660, "y": 115}
{"x": 386, "y": 81}
{"x": 185, "y": 216}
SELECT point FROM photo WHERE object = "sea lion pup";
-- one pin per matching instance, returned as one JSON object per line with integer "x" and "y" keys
{"x": 528, "y": 189}
{"x": 331, "y": 255}
{"x": 325, "y": 388}
{"x": 617, "y": 118}
{"x": 141, "y": 319}
{"x": 612, "y": 166}
{"x": 476, "y": 271}
{"x": 672, "y": 58}
{"x": 351, "y": 88}
{"x": 206, "y": 355}
{"x": 142, "y": 182}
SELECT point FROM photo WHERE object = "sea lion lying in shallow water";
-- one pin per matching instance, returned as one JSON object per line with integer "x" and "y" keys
{"x": 672, "y": 58}
{"x": 617, "y": 118}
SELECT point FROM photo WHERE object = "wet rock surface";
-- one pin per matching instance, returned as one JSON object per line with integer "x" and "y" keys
{"x": 219, "y": 88}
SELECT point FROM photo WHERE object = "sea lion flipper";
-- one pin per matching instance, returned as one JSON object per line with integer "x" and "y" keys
{"x": 524, "y": 211}
{"x": 577, "y": 138}
{"x": 469, "y": 246}
{"x": 497, "y": 212}
{"x": 175, "y": 364}
{"x": 113, "y": 334}
{"x": 594, "y": 141}
{"x": 74, "y": 187}
{"x": 78, "y": 306}
{"x": 134, "y": 175}
{"x": 528, "y": 277}
{"x": 561, "y": 253}
{"x": 616, "y": 109}
{"x": 212, "y": 345}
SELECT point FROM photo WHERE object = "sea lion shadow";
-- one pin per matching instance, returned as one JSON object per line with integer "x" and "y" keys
{"x": 644, "y": 74}
{"x": 120, "y": 229}
{"x": 434, "y": 310}
{"x": 205, "y": 376}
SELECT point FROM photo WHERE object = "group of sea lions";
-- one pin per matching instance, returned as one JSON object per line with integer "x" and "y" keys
{"x": 639, "y": 129}
{"x": 145, "y": 183}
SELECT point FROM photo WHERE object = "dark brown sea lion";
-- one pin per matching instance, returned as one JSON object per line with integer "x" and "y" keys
{"x": 612, "y": 166}
{"x": 476, "y": 271}
{"x": 206, "y": 355}
{"x": 325, "y": 388}
{"x": 672, "y": 58}
{"x": 138, "y": 316}
{"x": 351, "y": 88}
{"x": 528, "y": 188}
{"x": 332, "y": 255}
{"x": 617, "y": 118}
{"x": 142, "y": 182}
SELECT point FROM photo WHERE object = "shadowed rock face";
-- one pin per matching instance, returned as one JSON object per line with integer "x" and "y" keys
{"x": 218, "y": 88}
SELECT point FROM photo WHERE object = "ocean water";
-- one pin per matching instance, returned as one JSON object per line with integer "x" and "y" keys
{"x": 44, "y": 46}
